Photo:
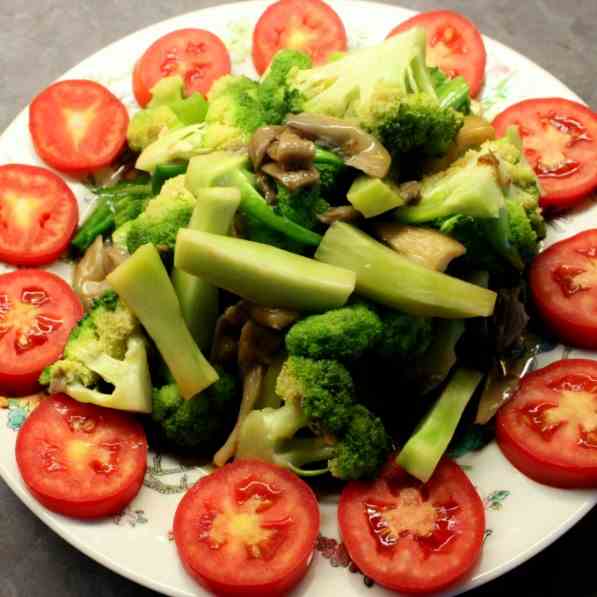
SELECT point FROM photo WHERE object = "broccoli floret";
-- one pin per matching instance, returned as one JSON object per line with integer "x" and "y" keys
{"x": 167, "y": 110}
{"x": 147, "y": 125}
{"x": 202, "y": 423}
{"x": 403, "y": 335}
{"x": 350, "y": 445}
{"x": 343, "y": 334}
{"x": 333, "y": 182}
{"x": 363, "y": 449}
{"x": 387, "y": 90}
{"x": 323, "y": 388}
{"x": 488, "y": 201}
{"x": 273, "y": 93}
{"x": 163, "y": 217}
{"x": 234, "y": 114}
{"x": 105, "y": 360}
{"x": 301, "y": 206}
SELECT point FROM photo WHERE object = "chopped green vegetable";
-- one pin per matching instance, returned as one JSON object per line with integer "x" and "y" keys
{"x": 202, "y": 423}
{"x": 430, "y": 440}
{"x": 373, "y": 196}
{"x": 393, "y": 280}
{"x": 105, "y": 360}
{"x": 386, "y": 89}
{"x": 265, "y": 275}
{"x": 163, "y": 172}
{"x": 143, "y": 284}
{"x": 214, "y": 212}
{"x": 318, "y": 395}
{"x": 342, "y": 334}
{"x": 116, "y": 205}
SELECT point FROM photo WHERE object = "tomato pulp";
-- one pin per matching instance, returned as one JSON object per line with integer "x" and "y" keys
{"x": 37, "y": 312}
{"x": 560, "y": 142}
{"x": 413, "y": 537}
{"x": 549, "y": 428}
{"x": 38, "y": 215}
{"x": 78, "y": 126}
{"x": 454, "y": 45}
{"x": 198, "y": 56}
{"x": 81, "y": 460}
{"x": 248, "y": 529}
{"x": 311, "y": 26}
{"x": 563, "y": 281}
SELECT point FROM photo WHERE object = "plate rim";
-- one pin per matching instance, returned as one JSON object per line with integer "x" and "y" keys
{"x": 55, "y": 521}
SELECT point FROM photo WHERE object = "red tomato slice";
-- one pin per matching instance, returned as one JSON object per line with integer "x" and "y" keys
{"x": 81, "y": 460}
{"x": 411, "y": 537}
{"x": 563, "y": 281}
{"x": 549, "y": 429}
{"x": 198, "y": 56}
{"x": 77, "y": 126}
{"x": 311, "y": 26}
{"x": 247, "y": 529}
{"x": 37, "y": 312}
{"x": 454, "y": 45}
{"x": 560, "y": 142}
{"x": 38, "y": 215}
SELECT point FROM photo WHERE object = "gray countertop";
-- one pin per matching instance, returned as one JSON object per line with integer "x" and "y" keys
{"x": 41, "y": 39}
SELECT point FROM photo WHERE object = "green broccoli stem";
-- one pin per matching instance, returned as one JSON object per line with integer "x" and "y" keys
{"x": 123, "y": 200}
{"x": 324, "y": 156}
{"x": 100, "y": 221}
{"x": 143, "y": 284}
{"x": 430, "y": 440}
{"x": 261, "y": 273}
{"x": 254, "y": 205}
{"x": 198, "y": 299}
{"x": 454, "y": 93}
{"x": 395, "y": 281}
{"x": 163, "y": 172}
{"x": 296, "y": 453}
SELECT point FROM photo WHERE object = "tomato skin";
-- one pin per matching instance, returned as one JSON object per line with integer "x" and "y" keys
{"x": 232, "y": 572}
{"x": 20, "y": 370}
{"x": 554, "y": 461}
{"x": 280, "y": 20}
{"x": 573, "y": 318}
{"x": 73, "y": 489}
{"x": 428, "y": 569}
{"x": 51, "y": 223}
{"x": 474, "y": 56}
{"x": 164, "y": 56}
{"x": 571, "y": 132}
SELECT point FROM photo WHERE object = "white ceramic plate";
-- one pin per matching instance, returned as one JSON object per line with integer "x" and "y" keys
{"x": 522, "y": 517}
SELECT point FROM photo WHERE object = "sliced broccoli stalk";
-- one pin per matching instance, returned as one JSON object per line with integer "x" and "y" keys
{"x": 427, "y": 445}
{"x": 202, "y": 423}
{"x": 224, "y": 169}
{"x": 343, "y": 334}
{"x": 263, "y": 274}
{"x": 105, "y": 360}
{"x": 373, "y": 196}
{"x": 390, "y": 279}
{"x": 214, "y": 212}
{"x": 143, "y": 284}
{"x": 273, "y": 93}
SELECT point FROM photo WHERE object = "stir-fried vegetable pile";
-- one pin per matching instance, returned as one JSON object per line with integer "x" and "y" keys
{"x": 310, "y": 264}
